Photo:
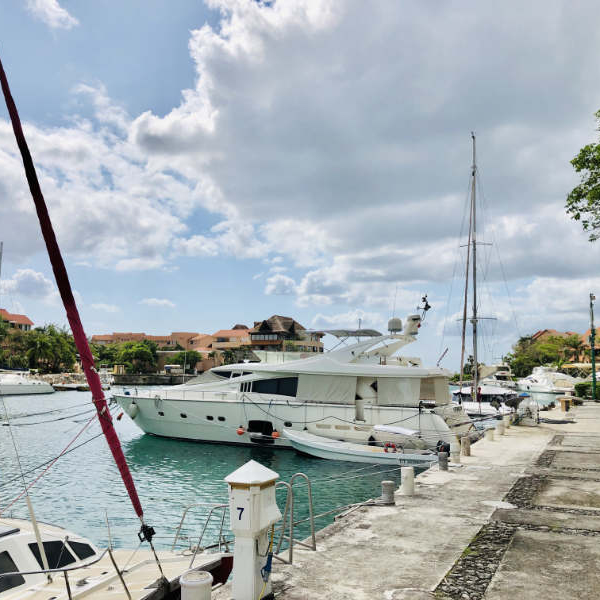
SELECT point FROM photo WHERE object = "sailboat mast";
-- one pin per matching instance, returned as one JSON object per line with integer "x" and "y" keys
{"x": 474, "y": 242}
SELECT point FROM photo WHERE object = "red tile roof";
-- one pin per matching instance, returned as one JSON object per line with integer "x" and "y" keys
{"x": 15, "y": 318}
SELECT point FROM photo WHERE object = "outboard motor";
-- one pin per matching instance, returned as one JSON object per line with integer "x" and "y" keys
{"x": 442, "y": 446}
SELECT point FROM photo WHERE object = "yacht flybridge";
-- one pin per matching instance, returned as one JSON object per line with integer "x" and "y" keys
{"x": 340, "y": 395}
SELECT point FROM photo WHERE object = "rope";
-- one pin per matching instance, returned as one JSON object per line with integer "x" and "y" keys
{"x": 27, "y": 488}
{"x": 85, "y": 412}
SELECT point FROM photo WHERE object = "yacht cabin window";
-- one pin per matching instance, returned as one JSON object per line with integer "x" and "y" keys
{"x": 7, "y": 565}
{"x": 284, "y": 386}
{"x": 57, "y": 553}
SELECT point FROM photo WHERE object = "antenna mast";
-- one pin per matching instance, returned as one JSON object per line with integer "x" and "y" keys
{"x": 474, "y": 242}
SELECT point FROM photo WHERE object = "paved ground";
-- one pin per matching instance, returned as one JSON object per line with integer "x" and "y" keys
{"x": 518, "y": 519}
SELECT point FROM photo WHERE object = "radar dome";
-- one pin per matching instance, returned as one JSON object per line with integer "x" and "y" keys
{"x": 395, "y": 325}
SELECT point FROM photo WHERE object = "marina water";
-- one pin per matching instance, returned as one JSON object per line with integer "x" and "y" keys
{"x": 84, "y": 486}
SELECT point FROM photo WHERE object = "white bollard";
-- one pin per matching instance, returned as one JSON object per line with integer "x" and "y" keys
{"x": 407, "y": 486}
{"x": 489, "y": 435}
{"x": 455, "y": 452}
{"x": 387, "y": 492}
{"x": 500, "y": 427}
{"x": 196, "y": 585}
{"x": 507, "y": 419}
{"x": 465, "y": 445}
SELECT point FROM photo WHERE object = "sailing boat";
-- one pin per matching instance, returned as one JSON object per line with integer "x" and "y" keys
{"x": 30, "y": 555}
{"x": 478, "y": 399}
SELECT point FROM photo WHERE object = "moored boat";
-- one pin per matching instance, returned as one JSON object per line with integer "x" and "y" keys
{"x": 341, "y": 394}
{"x": 390, "y": 454}
{"x": 19, "y": 384}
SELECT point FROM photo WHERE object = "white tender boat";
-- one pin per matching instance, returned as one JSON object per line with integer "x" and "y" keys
{"x": 340, "y": 395}
{"x": 13, "y": 384}
{"x": 390, "y": 454}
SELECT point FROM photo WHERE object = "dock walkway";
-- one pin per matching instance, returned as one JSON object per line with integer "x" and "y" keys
{"x": 518, "y": 519}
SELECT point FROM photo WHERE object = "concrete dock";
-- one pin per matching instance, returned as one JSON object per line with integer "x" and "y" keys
{"x": 518, "y": 519}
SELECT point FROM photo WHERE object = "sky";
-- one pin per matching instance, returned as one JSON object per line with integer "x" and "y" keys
{"x": 212, "y": 163}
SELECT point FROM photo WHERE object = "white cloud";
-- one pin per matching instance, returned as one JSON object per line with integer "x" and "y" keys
{"x": 52, "y": 14}
{"x": 28, "y": 283}
{"x": 162, "y": 302}
{"x": 280, "y": 285}
{"x": 109, "y": 308}
{"x": 315, "y": 152}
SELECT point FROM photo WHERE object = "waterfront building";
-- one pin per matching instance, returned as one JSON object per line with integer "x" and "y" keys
{"x": 16, "y": 321}
{"x": 176, "y": 338}
{"x": 279, "y": 333}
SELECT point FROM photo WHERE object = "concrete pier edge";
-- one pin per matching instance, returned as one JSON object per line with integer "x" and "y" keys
{"x": 517, "y": 519}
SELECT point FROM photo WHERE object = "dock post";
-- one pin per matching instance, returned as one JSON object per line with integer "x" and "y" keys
{"x": 387, "y": 492}
{"x": 407, "y": 486}
{"x": 500, "y": 427}
{"x": 443, "y": 461}
{"x": 455, "y": 452}
{"x": 465, "y": 445}
{"x": 507, "y": 419}
{"x": 489, "y": 435}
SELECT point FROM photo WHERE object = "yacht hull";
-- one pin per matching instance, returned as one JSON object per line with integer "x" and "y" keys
{"x": 25, "y": 389}
{"x": 238, "y": 419}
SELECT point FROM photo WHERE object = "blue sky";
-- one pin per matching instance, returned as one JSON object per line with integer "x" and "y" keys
{"x": 209, "y": 164}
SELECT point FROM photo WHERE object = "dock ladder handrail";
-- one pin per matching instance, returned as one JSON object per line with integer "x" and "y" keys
{"x": 214, "y": 508}
{"x": 288, "y": 516}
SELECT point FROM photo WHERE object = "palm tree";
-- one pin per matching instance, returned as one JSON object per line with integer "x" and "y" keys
{"x": 575, "y": 346}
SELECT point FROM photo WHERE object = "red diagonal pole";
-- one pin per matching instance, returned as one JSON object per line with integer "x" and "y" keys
{"x": 66, "y": 293}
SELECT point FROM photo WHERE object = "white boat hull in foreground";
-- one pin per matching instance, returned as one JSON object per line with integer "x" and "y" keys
{"x": 316, "y": 445}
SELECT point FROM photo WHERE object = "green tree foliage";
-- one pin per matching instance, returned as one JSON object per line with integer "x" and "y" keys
{"x": 191, "y": 358}
{"x": 138, "y": 356}
{"x": 527, "y": 354}
{"x": 228, "y": 357}
{"x": 583, "y": 203}
{"x": 49, "y": 349}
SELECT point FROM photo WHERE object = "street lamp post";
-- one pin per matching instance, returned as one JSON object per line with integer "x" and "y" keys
{"x": 593, "y": 345}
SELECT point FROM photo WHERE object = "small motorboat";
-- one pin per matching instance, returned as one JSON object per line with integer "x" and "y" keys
{"x": 389, "y": 453}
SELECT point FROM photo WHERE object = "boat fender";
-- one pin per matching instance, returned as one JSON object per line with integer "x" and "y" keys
{"x": 386, "y": 447}
{"x": 240, "y": 430}
{"x": 393, "y": 447}
{"x": 132, "y": 410}
{"x": 275, "y": 434}
{"x": 119, "y": 416}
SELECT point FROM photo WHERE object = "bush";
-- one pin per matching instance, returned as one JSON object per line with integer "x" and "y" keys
{"x": 584, "y": 389}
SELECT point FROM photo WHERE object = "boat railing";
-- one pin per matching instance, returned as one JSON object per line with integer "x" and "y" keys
{"x": 62, "y": 570}
{"x": 219, "y": 511}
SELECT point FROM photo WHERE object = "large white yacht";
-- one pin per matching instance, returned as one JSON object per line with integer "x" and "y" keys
{"x": 341, "y": 395}
{"x": 548, "y": 380}
{"x": 18, "y": 383}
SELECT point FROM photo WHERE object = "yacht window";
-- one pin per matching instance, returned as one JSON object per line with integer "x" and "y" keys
{"x": 323, "y": 426}
{"x": 287, "y": 424}
{"x": 286, "y": 386}
{"x": 161, "y": 413}
{"x": 221, "y": 418}
{"x": 210, "y": 418}
{"x": 183, "y": 415}
{"x": 82, "y": 550}
{"x": 226, "y": 374}
{"x": 57, "y": 553}
{"x": 344, "y": 427}
{"x": 7, "y": 565}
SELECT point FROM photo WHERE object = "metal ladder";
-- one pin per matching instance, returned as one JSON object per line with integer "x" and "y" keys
{"x": 214, "y": 510}
{"x": 288, "y": 521}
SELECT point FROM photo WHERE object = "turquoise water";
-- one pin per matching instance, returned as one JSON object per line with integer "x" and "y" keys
{"x": 84, "y": 486}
